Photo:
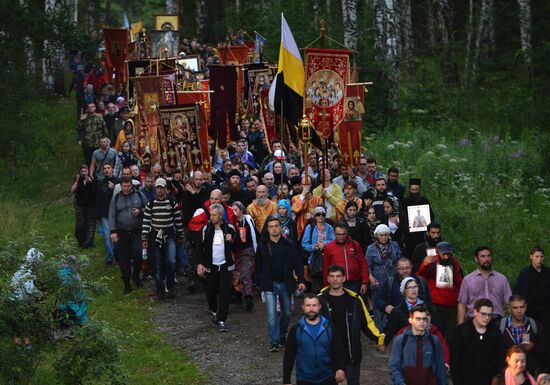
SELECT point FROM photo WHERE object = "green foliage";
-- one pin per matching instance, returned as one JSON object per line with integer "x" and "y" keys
{"x": 89, "y": 356}
{"x": 36, "y": 211}
{"x": 485, "y": 189}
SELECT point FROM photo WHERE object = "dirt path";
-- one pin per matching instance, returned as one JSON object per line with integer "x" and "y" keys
{"x": 240, "y": 357}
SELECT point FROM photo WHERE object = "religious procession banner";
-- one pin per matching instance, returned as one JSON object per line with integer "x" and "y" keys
{"x": 185, "y": 140}
{"x": 257, "y": 78}
{"x": 349, "y": 133}
{"x": 326, "y": 73}
{"x": 234, "y": 54}
{"x": 152, "y": 92}
{"x": 223, "y": 112}
{"x": 116, "y": 49}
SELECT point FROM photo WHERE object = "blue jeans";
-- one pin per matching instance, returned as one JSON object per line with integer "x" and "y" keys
{"x": 165, "y": 265}
{"x": 107, "y": 239}
{"x": 181, "y": 257}
{"x": 277, "y": 324}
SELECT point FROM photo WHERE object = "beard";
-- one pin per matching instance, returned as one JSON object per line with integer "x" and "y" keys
{"x": 487, "y": 266}
{"x": 235, "y": 187}
{"x": 312, "y": 316}
{"x": 261, "y": 201}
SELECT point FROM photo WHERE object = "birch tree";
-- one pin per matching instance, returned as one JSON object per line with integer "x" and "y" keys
{"x": 54, "y": 57}
{"x": 385, "y": 44}
{"x": 349, "y": 15}
{"x": 171, "y": 6}
{"x": 525, "y": 33}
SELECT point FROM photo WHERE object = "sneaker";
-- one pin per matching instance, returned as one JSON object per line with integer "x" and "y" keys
{"x": 274, "y": 348}
{"x": 213, "y": 317}
{"x": 222, "y": 327}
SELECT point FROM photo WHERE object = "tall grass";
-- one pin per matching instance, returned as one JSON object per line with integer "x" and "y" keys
{"x": 484, "y": 189}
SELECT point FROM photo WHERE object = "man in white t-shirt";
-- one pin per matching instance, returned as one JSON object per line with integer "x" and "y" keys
{"x": 216, "y": 263}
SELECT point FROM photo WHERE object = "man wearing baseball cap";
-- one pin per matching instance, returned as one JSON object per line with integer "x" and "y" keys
{"x": 162, "y": 226}
{"x": 444, "y": 277}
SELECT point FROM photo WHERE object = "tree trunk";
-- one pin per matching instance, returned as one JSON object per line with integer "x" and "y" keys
{"x": 525, "y": 33}
{"x": 28, "y": 48}
{"x": 407, "y": 34}
{"x": 481, "y": 35}
{"x": 444, "y": 22}
{"x": 171, "y": 6}
{"x": 470, "y": 28}
{"x": 349, "y": 15}
{"x": 430, "y": 25}
{"x": 201, "y": 17}
{"x": 385, "y": 44}
{"x": 54, "y": 59}
{"x": 490, "y": 32}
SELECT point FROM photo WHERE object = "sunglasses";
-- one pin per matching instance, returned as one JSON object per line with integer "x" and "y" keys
{"x": 320, "y": 215}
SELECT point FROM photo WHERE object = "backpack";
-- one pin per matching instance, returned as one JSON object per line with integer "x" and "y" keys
{"x": 532, "y": 325}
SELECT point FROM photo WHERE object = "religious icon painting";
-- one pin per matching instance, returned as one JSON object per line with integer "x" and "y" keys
{"x": 444, "y": 276}
{"x": 190, "y": 63}
{"x": 164, "y": 44}
{"x": 326, "y": 73}
{"x": 167, "y": 22}
{"x": 419, "y": 218}
{"x": 181, "y": 126}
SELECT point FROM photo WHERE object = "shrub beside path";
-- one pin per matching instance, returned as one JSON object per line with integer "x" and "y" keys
{"x": 240, "y": 357}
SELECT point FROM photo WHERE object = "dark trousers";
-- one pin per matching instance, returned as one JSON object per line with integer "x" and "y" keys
{"x": 218, "y": 290}
{"x": 330, "y": 381}
{"x": 353, "y": 372}
{"x": 128, "y": 252}
{"x": 445, "y": 319}
{"x": 85, "y": 225}
{"x": 88, "y": 152}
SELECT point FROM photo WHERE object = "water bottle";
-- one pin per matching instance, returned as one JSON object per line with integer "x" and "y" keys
{"x": 144, "y": 254}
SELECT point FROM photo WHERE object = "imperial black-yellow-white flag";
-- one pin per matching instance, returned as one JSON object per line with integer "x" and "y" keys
{"x": 287, "y": 90}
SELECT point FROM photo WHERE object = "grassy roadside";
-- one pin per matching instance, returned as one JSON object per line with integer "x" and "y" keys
{"x": 35, "y": 209}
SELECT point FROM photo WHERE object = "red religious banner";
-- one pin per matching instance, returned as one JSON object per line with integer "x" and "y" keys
{"x": 149, "y": 99}
{"x": 349, "y": 133}
{"x": 326, "y": 78}
{"x": 234, "y": 54}
{"x": 116, "y": 48}
{"x": 182, "y": 132}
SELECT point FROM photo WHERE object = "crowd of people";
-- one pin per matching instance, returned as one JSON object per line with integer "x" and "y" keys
{"x": 263, "y": 225}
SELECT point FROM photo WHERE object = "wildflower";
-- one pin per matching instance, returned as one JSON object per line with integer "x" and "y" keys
{"x": 391, "y": 147}
{"x": 430, "y": 153}
{"x": 441, "y": 146}
{"x": 464, "y": 142}
{"x": 496, "y": 138}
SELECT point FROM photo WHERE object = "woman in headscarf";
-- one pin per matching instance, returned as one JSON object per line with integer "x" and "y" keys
{"x": 289, "y": 229}
{"x": 382, "y": 256}
{"x": 246, "y": 255}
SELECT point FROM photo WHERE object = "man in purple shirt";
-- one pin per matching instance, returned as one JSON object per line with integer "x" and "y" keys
{"x": 483, "y": 283}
